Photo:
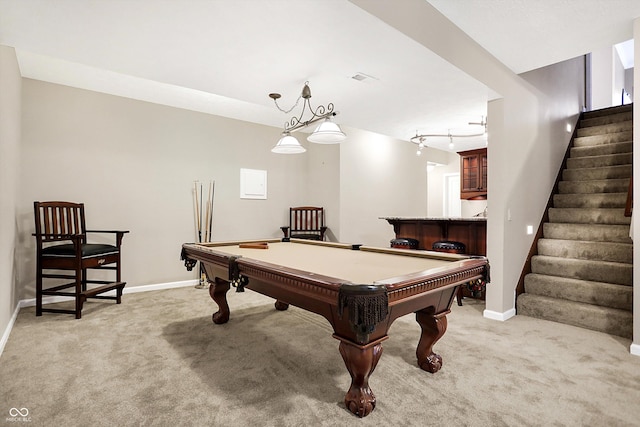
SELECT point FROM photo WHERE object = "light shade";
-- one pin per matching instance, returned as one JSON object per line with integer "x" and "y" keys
{"x": 327, "y": 133}
{"x": 288, "y": 145}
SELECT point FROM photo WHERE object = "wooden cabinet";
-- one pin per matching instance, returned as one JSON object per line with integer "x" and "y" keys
{"x": 473, "y": 174}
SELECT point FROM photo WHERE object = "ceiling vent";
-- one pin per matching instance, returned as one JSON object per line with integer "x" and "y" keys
{"x": 362, "y": 76}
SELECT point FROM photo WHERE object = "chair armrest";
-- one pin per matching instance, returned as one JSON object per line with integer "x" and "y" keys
{"x": 58, "y": 237}
{"x": 75, "y": 239}
{"x": 285, "y": 230}
{"x": 119, "y": 234}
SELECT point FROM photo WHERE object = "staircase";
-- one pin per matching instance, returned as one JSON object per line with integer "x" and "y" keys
{"x": 583, "y": 272}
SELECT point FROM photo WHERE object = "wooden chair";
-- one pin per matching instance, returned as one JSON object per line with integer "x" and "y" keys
{"x": 60, "y": 222}
{"x": 305, "y": 222}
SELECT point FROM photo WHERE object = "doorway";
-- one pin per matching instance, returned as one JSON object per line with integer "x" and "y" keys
{"x": 452, "y": 204}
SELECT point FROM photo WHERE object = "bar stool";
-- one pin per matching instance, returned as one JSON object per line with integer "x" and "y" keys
{"x": 404, "y": 243}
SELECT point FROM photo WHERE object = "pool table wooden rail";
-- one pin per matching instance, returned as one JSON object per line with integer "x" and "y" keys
{"x": 319, "y": 293}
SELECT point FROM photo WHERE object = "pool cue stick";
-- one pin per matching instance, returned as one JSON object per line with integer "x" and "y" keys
{"x": 212, "y": 186}
{"x": 198, "y": 209}
{"x": 195, "y": 200}
{"x": 201, "y": 202}
{"x": 208, "y": 224}
{"x": 257, "y": 245}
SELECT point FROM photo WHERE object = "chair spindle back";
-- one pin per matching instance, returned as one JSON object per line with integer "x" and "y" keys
{"x": 57, "y": 220}
{"x": 306, "y": 218}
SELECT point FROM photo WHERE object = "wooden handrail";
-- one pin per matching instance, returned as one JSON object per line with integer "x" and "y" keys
{"x": 628, "y": 209}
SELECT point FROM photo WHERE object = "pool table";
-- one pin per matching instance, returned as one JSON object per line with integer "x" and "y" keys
{"x": 359, "y": 289}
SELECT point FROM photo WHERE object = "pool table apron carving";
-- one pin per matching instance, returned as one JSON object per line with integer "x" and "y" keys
{"x": 359, "y": 308}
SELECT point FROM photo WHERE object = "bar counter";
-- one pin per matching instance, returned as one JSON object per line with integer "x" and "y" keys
{"x": 427, "y": 230}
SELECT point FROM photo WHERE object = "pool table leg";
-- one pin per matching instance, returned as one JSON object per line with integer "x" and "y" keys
{"x": 218, "y": 291}
{"x": 433, "y": 328}
{"x": 360, "y": 361}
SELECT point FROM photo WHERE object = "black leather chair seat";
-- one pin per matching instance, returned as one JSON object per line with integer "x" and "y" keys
{"x": 88, "y": 250}
{"x": 306, "y": 236}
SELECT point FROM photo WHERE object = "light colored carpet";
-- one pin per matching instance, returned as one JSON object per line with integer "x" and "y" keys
{"x": 157, "y": 359}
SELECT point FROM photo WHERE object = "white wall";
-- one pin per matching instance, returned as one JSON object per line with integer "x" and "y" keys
{"x": 10, "y": 88}
{"x": 618, "y": 79}
{"x": 323, "y": 182}
{"x": 133, "y": 165}
{"x": 608, "y": 78}
{"x": 526, "y": 137}
{"x": 379, "y": 176}
{"x": 524, "y": 158}
{"x": 435, "y": 184}
{"x": 602, "y": 77}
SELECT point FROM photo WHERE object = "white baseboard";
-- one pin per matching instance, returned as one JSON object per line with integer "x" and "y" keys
{"x": 160, "y": 286}
{"x": 635, "y": 349}
{"x": 7, "y": 331}
{"x": 494, "y": 315}
{"x": 53, "y": 299}
{"x": 144, "y": 288}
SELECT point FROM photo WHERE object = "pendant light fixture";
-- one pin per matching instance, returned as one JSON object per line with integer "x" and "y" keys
{"x": 327, "y": 132}
{"x": 288, "y": 145}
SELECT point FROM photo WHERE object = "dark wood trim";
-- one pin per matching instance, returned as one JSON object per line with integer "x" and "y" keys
{"x": 533, "y": 250}
{"x": 628, "y": 209}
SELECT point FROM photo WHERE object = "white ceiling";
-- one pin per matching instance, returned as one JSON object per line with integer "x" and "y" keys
{"x": 225, "y": 56}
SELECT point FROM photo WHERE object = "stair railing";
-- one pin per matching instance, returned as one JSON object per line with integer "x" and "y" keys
{"x": 628, "y": 209}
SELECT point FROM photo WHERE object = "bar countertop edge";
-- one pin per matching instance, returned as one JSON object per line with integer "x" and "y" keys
{"x": 408, "y": 218}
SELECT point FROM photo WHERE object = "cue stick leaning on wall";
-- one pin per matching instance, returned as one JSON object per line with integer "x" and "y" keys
{"x": 207, "y": 221}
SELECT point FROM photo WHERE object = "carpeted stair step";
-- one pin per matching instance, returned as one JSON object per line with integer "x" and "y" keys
{"x": 587, "y": 174}
{"x": 600, "y": 161}
{"x": 589, "y": 232}
{"x": 603, "y": 139}
{"x": 588, "y": 216}
{"x": 605, "y": 128}
{"x": 603, "y": 120}
{"x": 597, "y": 200}
{"x": 601, "y": 150}
{"x": 597, "y": 293}
{"x": 607, "y": 112}
{"x": 582, "y": 249}
{"x": 604, "y": 319}
{"x": 598, "y": 271}
{"x": 594, "y": 186}
{"x": 582, "y": 274}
